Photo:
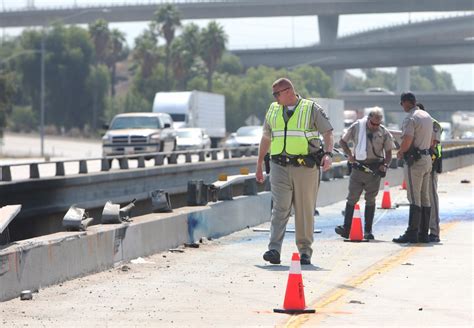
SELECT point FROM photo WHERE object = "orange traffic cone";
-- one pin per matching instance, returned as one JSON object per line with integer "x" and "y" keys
{"x": 356, "y": 234}
{"x": 294, "y": 302}
{"x": 386, "y": 200}
{"x": 404, "y": 185}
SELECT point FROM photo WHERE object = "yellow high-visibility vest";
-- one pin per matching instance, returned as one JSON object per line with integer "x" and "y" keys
{"x": 293, "y": 136}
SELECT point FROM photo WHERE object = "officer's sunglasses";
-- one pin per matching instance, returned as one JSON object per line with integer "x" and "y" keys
{"x": 374, "y": 124}
{"x": 276, "y": 94}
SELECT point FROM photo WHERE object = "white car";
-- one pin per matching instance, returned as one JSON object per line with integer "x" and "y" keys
{"x": 378, "y": 91}
{"x": 245, "y": 136}
{"x": 192, "y": 139}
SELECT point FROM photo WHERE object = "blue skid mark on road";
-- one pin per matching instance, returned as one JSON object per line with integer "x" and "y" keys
{"x": 197, "y": 226}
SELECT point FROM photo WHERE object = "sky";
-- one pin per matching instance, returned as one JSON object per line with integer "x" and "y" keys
{"x": 274, "y": 32}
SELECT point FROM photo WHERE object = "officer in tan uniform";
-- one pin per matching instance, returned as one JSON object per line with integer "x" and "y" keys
{"x": 417, "y": 129}
{"x": 369, "y": 163}
{"x": 291, "y": 133}
{"x": 436, "y": 168}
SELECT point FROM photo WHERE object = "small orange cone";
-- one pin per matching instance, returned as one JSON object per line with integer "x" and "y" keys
{"x": 356, "y": 234}
{"x": 386, "y": 200}
{"x": 294, "y": 302}
{"x": 404, "y": 185}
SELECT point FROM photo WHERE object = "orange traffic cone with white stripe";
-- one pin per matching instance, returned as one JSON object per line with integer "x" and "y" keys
{"x": 294, "y": 302}
{"x": 356, "y": 234}
{"x": 386, "y": 200}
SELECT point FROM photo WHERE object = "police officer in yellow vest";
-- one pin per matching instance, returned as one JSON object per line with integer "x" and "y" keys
{"x": 291, "y": 132}
{"x": 436, "y": 168}
{"x": 417, "y": 131}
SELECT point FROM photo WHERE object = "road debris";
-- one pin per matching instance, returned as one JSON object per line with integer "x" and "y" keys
{"x": 26, "y": 295}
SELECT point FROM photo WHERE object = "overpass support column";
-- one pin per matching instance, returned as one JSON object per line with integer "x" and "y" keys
{"x": 328, "y": 27}
{"x": 403, "y": 79}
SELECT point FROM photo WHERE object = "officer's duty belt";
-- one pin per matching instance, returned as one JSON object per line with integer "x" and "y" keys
{"x": 284, "y": 160}
{"x": 424, "y": 152}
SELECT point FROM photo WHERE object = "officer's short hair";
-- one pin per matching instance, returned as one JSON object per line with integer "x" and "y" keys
{"x": 376, "y": 112}
{"x": 283, "y": 83}
{"x": 420, "y": 106}
{"x": 408, "y": 96}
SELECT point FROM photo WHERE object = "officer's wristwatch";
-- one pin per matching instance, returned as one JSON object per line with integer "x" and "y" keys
{"x": 328, "y": 153}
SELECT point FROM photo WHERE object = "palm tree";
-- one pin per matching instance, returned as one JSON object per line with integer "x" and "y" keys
{"x": 146, "y": 53}
{"x": 165, "y": 21}
{"x": 184, "y": 51}
{"x": 213, "y": 43}
{"x": 116, "y": 52}
{"x": 100, "y": 34}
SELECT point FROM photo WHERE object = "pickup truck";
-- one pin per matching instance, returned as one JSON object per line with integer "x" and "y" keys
{"x": 139, "y": 133}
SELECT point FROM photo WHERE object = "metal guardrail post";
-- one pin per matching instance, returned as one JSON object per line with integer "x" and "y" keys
{"x": 250, "y": 187}
{"x": 202, "y": 156}
{"x": 82, "y": 167}
{"x": 104, "y": 164}
{"x": 123, "y": 162}
{"x": 188, "y": 158}
{"x": 60, "y": 169}
{"x": 225, "y": 193}
{"x": 226, "y": 153}
{"x": 6, "y": 173}
{"x": 34, "y": 171}
{"x": 173, "y": 159}
{"x": 214, "y": 155}
{"x": 141, "y": 162}
{"x": 159, "y": 159}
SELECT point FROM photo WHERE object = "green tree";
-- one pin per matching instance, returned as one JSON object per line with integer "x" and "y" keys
{"x": 213, "y": 45}
{"x": 7, "y": 90}
{"x": 165, "y": 21}
{"x": 184, "y": 54}
{"x": 97, "y": 87}
{"x": 230, "y": 64}
{"x": 100, "y": 34}
{"x": 146, "y": 54}
{"x": 117, "y": 51}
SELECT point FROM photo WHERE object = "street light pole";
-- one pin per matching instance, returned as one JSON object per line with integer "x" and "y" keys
{"x": 42, "y": 95}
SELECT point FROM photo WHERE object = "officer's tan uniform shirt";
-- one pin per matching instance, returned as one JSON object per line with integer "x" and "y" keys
{"x": 318, "y": 120}
{"x": 381, "y": 141}
{"x": 419, "y": 125}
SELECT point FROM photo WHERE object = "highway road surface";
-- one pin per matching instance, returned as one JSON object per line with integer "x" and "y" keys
{"x": 225, "y": 282}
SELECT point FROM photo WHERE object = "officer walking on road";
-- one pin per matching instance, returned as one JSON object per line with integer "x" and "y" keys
{"x": 436, "y": 168}
{"x": 369, "y": 162}
{"x": 291, "y": 132}
{"x": 417, "y": 129}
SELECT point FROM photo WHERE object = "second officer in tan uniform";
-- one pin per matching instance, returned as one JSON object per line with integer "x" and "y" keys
{"x": 291, "y": 132}
{"x": 369, "y": 163}
{"x": 417, "y": 130}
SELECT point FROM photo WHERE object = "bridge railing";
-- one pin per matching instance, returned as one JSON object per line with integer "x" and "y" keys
{"x": 124, "y": 160}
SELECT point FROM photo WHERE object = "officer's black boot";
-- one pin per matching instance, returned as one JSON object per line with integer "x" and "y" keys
{"x": 345, "y": 229}
{"x": 411, "y": 235}
{"x": 424, "y": 225}
{"x": 369, "y": 219}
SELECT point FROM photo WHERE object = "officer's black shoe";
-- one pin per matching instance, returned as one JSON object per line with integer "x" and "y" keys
{"x": 341, "y": 231}
{"x": 434, "y": 238}
{"x": 369, "y": 236}
{"x": 407, "y": 237}
{"x": 423, "y": 238}
{"x": 272, "y": 256}
{"x": 305, "y": 259}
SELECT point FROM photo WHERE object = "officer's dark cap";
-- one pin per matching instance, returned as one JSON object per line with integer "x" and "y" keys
{"x": 408, "y": 96}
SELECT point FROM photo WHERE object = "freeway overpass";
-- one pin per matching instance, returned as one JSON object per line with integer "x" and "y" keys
{"x": 347, "y": 56}
{"x": 441, "y": 105}
{"x": 226, "y": 9}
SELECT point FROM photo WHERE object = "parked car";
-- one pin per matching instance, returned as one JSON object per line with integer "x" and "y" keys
{"x": 192, "y": 138}
{"x": 245, "y": 136}
{"x": 138, "y": 133}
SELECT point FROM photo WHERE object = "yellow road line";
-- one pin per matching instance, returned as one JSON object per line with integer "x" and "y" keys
{"x": 380, "y": 267}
